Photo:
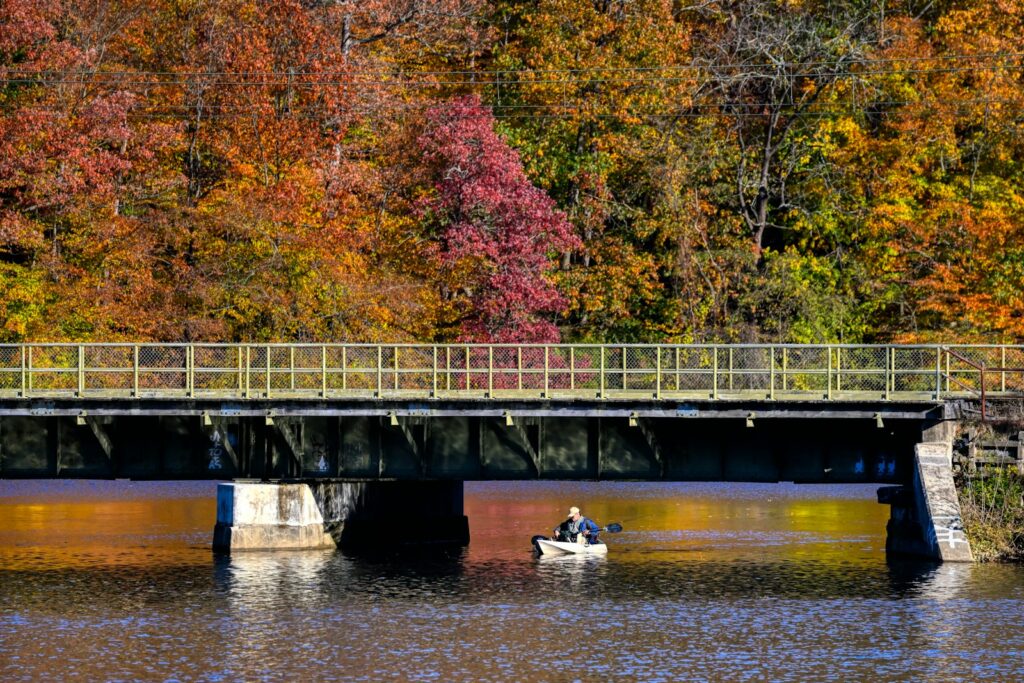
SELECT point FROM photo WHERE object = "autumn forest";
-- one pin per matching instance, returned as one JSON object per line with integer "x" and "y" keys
{"x": 536, "y": 171}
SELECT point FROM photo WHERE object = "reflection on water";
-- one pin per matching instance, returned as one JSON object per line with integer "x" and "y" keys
{"x": 707, "y": 582}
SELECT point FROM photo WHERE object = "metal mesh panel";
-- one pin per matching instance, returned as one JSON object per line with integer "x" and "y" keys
{"x": 861, "y": 369}
{"x": 692, "y": 369}
{"x": 216, "y": 369}
{"x": 1012, "y": 380}
{"x": 415, "y": 368}
{"x": 532, "y": 358}
{"x": 10, "y": 367}
{"x": 360, "y": 370}
{"x": 162, "y": 368}
{"x": 108, "y": 368}
{"x": 54, "y": 368}
{"x": 504, "y": 365}
{"x": 641, "y": 372}
{"x": 306, "y": 375}
{"x": 913, "y": 369}
{"x": 585, "y": 373}
{"x": 749, "y": 368}
{"x": 559, "y": 368}
{"x": 803, "y": 369}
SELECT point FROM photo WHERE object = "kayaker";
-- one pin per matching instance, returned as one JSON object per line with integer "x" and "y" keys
{"x": 576, "y": 524}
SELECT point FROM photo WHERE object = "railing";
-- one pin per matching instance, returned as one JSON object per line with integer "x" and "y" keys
{"x": 558, "y": 371}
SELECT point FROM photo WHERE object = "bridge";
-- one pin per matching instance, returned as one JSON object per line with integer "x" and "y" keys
{"x": 344, "y": 415}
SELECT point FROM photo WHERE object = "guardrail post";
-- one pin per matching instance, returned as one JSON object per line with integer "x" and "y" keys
{"x": 490, "y": 371}
{"x": 395, "y": 351}
{"x": 785, "y": 368}
{"x": 1002, "y": 373}
{"x": 135, "y": 370}
{"x": 248, "y": 370}
{"x": 24, "y": 371}
{"x": 678, "y": 371}
{"x": 323, "y": 370}
{"x": 890, "y": 370}
{"x": 771, "y": 373}
{"x": 839, "y": 368}
{"x": 572, "y": 368}
{"x": 547, "y": 361}
{"x": 519, "y": 364}
{"x": 291, "y": 368}
{"x": 938, "y": 372}
{"x": 81, "y": 370}
{"x": 241, "y": 380}
{"x": 29, "y": 389}
{"x": 714, "y": 374}
{"x": 433, "y": 374}
{"x": 467, "y": 369}
{"x": 828, "y": 374}
{"x": 947, "y": 373}
{"x": 657, "y": 377}
{"x": 625, "y": 385}
{"x": 344, "y": 369}
{"x": 730, "y": 368}
{"x": 601, "y": 393}
{"x": 268, "y": 370}
{"x": 380, "y": 370}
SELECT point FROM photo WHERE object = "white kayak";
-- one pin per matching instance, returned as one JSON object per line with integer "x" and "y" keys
{"x": 547, "y": 547}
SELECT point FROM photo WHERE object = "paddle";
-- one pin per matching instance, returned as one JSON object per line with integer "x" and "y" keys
{"x": 612, "y": 528}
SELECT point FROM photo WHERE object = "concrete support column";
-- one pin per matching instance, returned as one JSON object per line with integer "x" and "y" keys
{"x": 268, "y": 517}
{"x": 925, "y": 518}
{"x": 327, "y": 514}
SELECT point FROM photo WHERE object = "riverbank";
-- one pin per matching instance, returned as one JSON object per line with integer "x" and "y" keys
{"x": 992, "y": 506}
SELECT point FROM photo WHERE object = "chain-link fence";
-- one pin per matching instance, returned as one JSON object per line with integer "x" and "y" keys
{"x": 790, "y": 372}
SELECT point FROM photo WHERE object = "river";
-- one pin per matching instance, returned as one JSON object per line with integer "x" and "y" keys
{"x": 707, "y": 582}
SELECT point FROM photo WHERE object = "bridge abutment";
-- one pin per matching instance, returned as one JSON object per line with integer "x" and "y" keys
{"x": 276, "y": 516}
{"x": 925, "y": 520}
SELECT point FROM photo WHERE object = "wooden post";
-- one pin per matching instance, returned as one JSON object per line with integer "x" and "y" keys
{"x": 1020, "y": 453}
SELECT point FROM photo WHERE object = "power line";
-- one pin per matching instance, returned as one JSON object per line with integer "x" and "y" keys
{"x": 590, "y": 69}
{"x": 106, "y": 79}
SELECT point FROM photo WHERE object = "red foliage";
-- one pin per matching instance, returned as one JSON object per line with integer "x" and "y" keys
{"x": 498, "y": 231}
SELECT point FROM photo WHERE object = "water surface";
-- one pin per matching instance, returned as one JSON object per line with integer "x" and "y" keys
{"x": 116, "y": 581}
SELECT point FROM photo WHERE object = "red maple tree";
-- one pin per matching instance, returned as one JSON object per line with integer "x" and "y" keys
{"x": 497, "y": 232}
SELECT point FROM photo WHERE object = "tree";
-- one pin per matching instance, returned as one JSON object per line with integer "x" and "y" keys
{"x": 496, "y": 233}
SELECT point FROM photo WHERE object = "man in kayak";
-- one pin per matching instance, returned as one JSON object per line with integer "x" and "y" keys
{"x": 576, "y": 524}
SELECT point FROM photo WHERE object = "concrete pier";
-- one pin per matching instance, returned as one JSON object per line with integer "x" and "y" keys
{"x": 304, "y": 515}
{"x": 268, "y": 517}
{"x": 925, "y": 518}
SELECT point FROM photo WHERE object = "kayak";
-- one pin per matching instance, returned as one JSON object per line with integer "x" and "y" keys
{"x": 548, "y": 547}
